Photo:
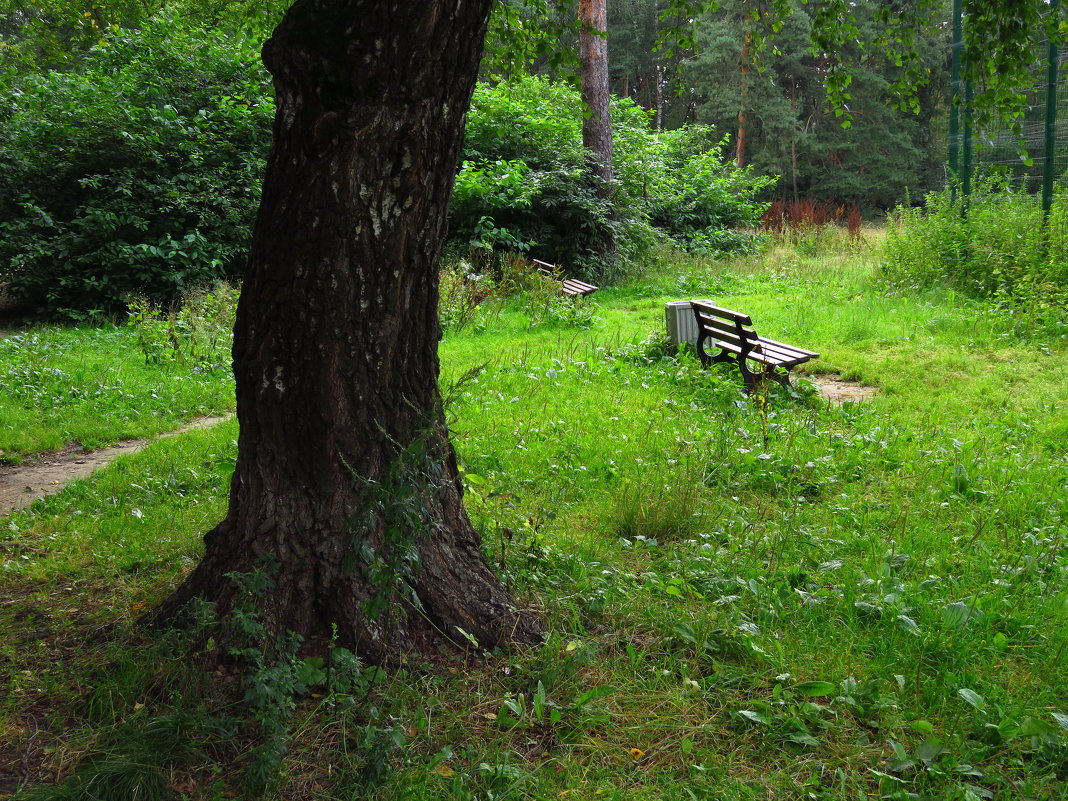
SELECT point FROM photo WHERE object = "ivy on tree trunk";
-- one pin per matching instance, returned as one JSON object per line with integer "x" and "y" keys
{"x": 346, "y": 482}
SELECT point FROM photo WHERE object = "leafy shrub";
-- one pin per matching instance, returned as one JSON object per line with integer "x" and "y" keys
{"x": 139, "y": 173}
{"x": 461, "y": 294}
{"x": 997, "y": 246}
{"x": 525, "y": 180}
{"x": 199, "y": 330}
{"x": 697, "y": 197}
{"x": 524, "y": 174}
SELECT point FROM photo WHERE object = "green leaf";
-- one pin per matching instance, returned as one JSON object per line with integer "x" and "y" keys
{"x": 973, "y": 698}
{"x": 908, "y": 624}
{"x": 802, "y": 738}
{"x": 311, "y": 672}
{"x": 815, "y": 689}
{"x": 929, "y": 750}
{"x": 955, "y": 615}
{"x": 1033, "y": 727}
{"x": 539, "y": 699}
{"x": 1062, "y": 719}
{"x": 686, "y": 632}
{"x": 469, "y": 637}
{"x": 756, "y": 717}
{"x": 597, "y": 693}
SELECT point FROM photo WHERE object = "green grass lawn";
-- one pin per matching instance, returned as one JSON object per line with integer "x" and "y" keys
{"x": 746, "y": 597}
{"x": 92, "y": 386}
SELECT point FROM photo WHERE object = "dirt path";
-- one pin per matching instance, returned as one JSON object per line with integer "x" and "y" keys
{"x": 48, "y": 473}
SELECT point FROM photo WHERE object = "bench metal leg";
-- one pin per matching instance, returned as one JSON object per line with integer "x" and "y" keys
{"x": 752, "y": 380}
{"x": 722, "y": 356}
{"x": 749, "y": 378}
{"x": 782, "y": 376}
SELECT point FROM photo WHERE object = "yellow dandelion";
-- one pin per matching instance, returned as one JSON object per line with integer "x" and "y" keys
{"x": 637, "y": 753}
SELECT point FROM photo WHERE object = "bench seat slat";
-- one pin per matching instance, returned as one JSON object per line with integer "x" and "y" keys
{"x": 791, "y": 348}
{"x": 770, "y": 360}
{"x": 569, "y": 286}
{"x": 786, "y": 352}
{"x": 572, "y": 286}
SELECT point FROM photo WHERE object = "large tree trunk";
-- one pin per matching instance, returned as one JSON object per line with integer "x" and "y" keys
{"x": 345, "y": 477}
{"x": 597, "y": 126}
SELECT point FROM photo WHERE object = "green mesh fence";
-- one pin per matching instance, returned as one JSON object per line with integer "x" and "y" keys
{"x": 996, "y": 149}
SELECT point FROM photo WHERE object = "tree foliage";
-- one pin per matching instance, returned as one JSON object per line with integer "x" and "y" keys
{"x": 38, "y": 35}
{"x": 793, "y": 130}
{"x": 524, "y": 183}
{"x": 138, "y": 172}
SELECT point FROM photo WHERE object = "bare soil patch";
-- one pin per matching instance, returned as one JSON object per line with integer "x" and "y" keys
{"x": 48, "y": 473}
{"x": 840, "y": 391}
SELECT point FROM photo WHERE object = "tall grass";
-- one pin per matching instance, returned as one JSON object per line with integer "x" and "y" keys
{"x": 994, "y": 244}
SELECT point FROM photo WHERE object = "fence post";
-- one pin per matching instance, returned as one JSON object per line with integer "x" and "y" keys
{"x": 954, "y": 101}
{"x": 1048, "y": 174}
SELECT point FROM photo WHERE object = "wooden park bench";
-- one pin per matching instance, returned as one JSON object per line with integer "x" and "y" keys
{"x": 732, "y": 332}
{"x": 569, "y": 286}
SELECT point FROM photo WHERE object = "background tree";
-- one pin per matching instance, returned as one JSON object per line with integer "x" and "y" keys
{"x": 640, "y": 69}
{"x": 593, "y": 75}
{"x": 346, "y": 487}
{"x": 792, "y": 125}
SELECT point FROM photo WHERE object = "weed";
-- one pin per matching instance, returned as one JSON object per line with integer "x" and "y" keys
{"x": 196, "y": 330}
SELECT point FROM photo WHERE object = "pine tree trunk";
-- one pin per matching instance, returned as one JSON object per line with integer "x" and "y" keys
{"x": 743, "y": 120}
{"x": 593, "y": 58}
{"x": 597, "y": 127}
{"x": 345, "y": 478}
{"x": 793, "y": 139}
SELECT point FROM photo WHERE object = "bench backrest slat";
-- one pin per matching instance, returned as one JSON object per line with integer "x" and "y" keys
{"x": 718, "y": 311}
{"x": 725, "y": 325}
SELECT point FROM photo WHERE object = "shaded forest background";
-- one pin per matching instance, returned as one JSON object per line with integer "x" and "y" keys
{"x": 133, "y": 137}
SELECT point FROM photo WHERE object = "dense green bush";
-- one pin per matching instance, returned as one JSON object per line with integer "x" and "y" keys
{"x": 524, "y": 183}
{"x": 693, "y": 194}
{"x": 997, "y": 245}
{"x": 137, "y": 173}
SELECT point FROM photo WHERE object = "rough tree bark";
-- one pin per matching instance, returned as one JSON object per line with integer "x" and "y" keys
{"x": 345, "y": 478}
{"x": 597, "y": 126}
{"x": 743, "y": 120}
{"x": 593, "y": 60}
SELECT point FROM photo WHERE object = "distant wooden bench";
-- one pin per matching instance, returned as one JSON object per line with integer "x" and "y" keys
{"x": 569, "y": 286}
{"x": 732, "y": 332}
